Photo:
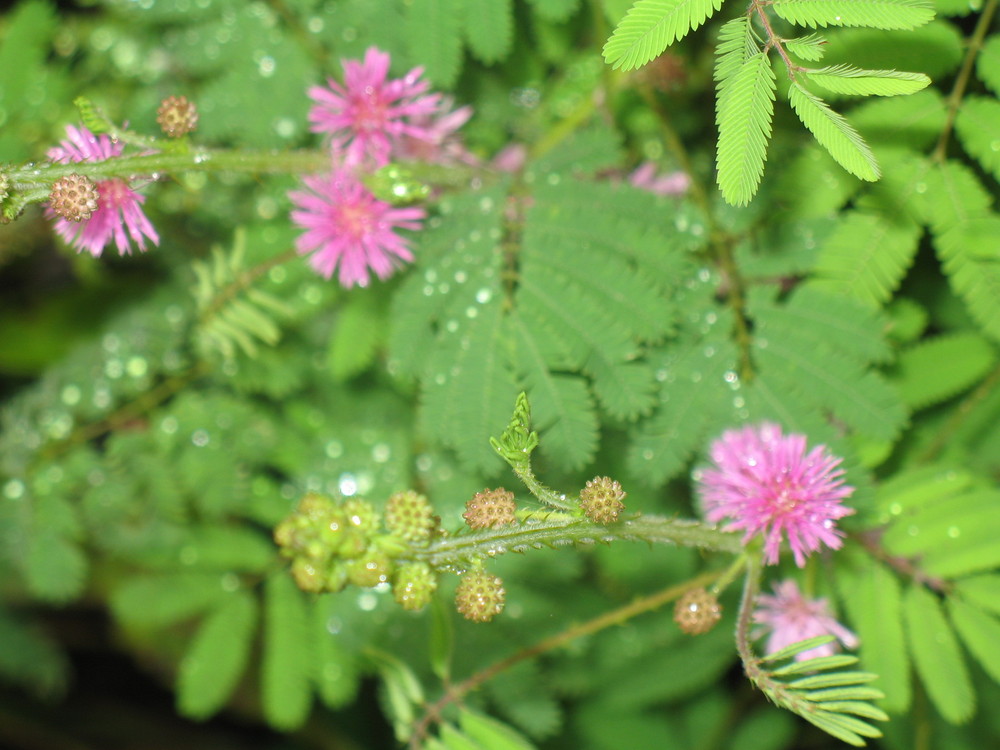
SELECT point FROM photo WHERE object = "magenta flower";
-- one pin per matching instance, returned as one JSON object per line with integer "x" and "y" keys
{"x": 119, "y": 215}
{"x": 789, "y": 617}
{"x": 347, "y": 226}
{"x": 368, "y": 115}
{"x": 767, "y": 484}
{"x": 646, "y": 178}
{"x": 439, "y": 142}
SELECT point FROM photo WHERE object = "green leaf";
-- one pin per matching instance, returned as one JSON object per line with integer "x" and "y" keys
{"x": 490, "y": 733}
{"x": 872, "y": 597}
{"x": 442, "y": 640}
{"x": 29, "y": 658}
{"x": 433, "y": 32}
{"x": 736, "y": 45}
{"x": 288, "y": 656}
{"x": 958, "y": 198}
{"x": 555, "y": 10}
{"x": 489, "y": 28}
{"x": 809, "y": 47}
{"x": 156, "y": 601}
{"x": 334, "y": 666}
{"x": 877, "y": 14}
{"x": 974, "y": 279}
{"x": 834, "y": 133}
{"x": 937, "y": 657}
{"x": 982, "y": 590}
{"x": 797, "y": 648}
{"x": 846, "y": 79}
{"x": 914, "y": 120}
{"x": 939, "y": 368}
{"x": 980, "y": 632}
{"x": 357, "y": 334}
{"x": 401, "y": 694}
{"x": 744, "y": 109}
{"x": 55, "y": 567}
{"x": 988, "y": 63}
{"x": 216, "y": 658}
{"x": 978, "y": 129}
{"x": 866, "y": 257}
{"x": 651, "y": 26}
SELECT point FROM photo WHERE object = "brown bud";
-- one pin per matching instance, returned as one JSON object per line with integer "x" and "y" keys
{"x": 490, "y": 508}
{"x": 74, "y": 197}
{"x": 697, "y": 611}
{"x": 177, "y": 116}
{"x": 601, "y": 500}
{"x": 480, "y": 596}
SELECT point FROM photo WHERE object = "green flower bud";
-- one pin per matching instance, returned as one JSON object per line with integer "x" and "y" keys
{"x": 308, "y": 576}
{"x": 413, "y": 586}
{"x": 177, "y": 116}
{"x": 409, "y": 516}
{"x": 490, "y": 508}
{"x": 371, "y": 569}
{"x": 601, "y": 500}
{"x": 480, "y": 596}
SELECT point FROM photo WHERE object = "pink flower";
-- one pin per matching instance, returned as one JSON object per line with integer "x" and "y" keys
{"x": 119, "y": 215}
{"x": 790, "y": 618}
{"x": 645, "y": 178}
{"x": 439, "y": 142}
{"x": 767, "y": 484}
{"x": 368, "y": 115}
{"x": 347, "y": 226}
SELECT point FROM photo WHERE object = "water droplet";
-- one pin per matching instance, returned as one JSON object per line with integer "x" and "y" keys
{"x": 347, "y": 485}
{"x": 647, "y": 454}
{"x": 484, "y": 295}
{"x": 71, "y": 395}
{"x": 954, "y": 532}
{"x": 334, "y": 625}
{"x": 367, "y": 601}
{"x": 200, "y": 438}
{"x": 230, "y": 582}
{"x": 334, "y": 449}
{"x": 13, "y": 489}
{"x": 136, "y": 367}
{"x": 460, "y": 277}
{"x": 381, "y": 453}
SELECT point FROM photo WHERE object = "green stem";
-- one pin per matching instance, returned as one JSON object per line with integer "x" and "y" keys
{"x": 962, "y": 81}
{"x": 433, "y": 713}
{"x": 546, "y": 495}
{"x": 559, "y": 530}
{"x": 199, "y": 160}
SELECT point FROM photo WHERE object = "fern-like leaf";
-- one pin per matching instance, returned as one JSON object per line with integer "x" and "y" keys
{"x": 834, "y": 133}
{"x": 988, "y": 63}
{"x": 434, "y": 35}
{"x": 736, "y": 45}
{"x": 866, "y": 257}
{"x": 807, "y": 47}
{"x": 937, "y": 656}
{"x": 978, "y": 128}
{"x": 489, "y": 28}
{"x": 980, "y": 631}
{"x": 846, "y": 79}
{"x": 650, "y": 26}
{"x": 744, "y": 110}
{"x": 877, "y": 14}
{"x": 974, "y": 278}
{"x": 288, "y": 657}
{"x": 939, "y": 368}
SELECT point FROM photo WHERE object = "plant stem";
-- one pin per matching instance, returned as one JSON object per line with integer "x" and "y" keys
{"x": 962, "y": 81}
{"x": 559, "y": 530}
{"x": 454, "y": 694}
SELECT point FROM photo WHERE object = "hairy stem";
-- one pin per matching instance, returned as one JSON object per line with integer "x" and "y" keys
{"x": 454, "y": 694}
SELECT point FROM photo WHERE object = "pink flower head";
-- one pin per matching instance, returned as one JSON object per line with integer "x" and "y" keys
{"x": 119, "y": 215}
{"x": 368, "y": 115}
{"x": 645, "y": 178}
{"x": 767, "y": 484}
{"x": 439, "y": 142}
{"x": 349, "y": 227}
{"x": 789, "y": 618}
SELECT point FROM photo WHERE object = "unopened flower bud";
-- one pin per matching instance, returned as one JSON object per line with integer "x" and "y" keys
{"x": 74, "y": 197}
{"x": 317, "y": 529}
{"x": 697, "y": 611}
{"x": 177, "y": 116}
{"x": 480, "y": 596}
{"x": 409, "y": 516}
{"x": 308, "y": 575}
{"x": 601, "y": 500}
{"x": 369, "y": 570}
{"x": 490, "y": 508}
{"x": 414, "y": 585}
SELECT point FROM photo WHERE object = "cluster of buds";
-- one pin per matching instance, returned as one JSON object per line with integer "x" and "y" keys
{"x": 334, "y": 544}
{"x": 697, "y": 611}
{"x": 490, "y": 508}
{"x": 74, "y": 197}
{"x": 177, "y": 116}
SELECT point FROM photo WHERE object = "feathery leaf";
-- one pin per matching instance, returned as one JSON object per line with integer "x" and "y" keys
{"x": 877, "y": 14}
{"x": 834, "y": 133}
{"x": 650, "y": 26}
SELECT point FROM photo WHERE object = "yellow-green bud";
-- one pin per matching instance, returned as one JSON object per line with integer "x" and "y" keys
{"x": 371, "y": 569}
{"x": 414, "y": 585}
{"x": 480, "y": 596}
{"x": 409, "y": 516}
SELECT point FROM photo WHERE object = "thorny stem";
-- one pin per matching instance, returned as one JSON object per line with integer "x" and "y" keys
{"x": 455, "y": 693}
{"x": 559, "y": 530}
{"x": 962, "y": 81}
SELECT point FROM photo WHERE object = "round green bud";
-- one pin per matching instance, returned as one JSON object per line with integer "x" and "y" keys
{"x": 601, "y": 500}
{"x": 409, "y": 516}
{"x": 413, "y": 586}
{"x": 308, "y": 576}
{"x": 371, "y": 569}
{"x": 480, "y": 596}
